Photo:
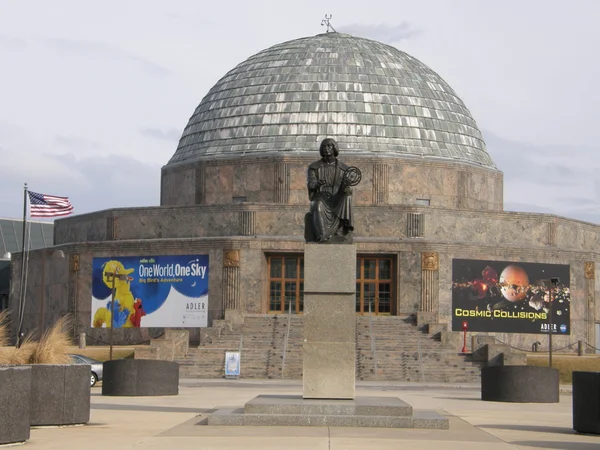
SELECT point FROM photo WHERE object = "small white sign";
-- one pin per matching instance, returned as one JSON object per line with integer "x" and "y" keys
{"x": 232, "y": 364}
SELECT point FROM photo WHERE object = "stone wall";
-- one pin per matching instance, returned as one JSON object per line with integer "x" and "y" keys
{"x": 390, "y": 223}
{"x": 238, "y": 276}
{"x": 392, "y": 181}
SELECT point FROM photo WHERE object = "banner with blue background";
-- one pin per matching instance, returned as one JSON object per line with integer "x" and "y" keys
{"x": 150, "y": 291}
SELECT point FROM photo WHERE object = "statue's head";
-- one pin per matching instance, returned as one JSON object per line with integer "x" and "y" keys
{"x": 334, "y": 145}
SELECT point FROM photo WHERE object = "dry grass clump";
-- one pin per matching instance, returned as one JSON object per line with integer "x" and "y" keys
{"x": 22, "y": 355}
{"x": 4, "y": 322}
{"x": 53, "y": 346}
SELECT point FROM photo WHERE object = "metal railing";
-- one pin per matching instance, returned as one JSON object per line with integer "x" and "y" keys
{"x": 286, "y": 339}
{"x": 373, "y": 343}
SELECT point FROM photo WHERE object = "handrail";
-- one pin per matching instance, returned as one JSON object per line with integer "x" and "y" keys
{"x": 285, "y": 341}
{"x": 420, "y": 358}
{"x": 373, "y": 345}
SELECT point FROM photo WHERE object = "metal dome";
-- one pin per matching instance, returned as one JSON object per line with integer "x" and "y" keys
{"x": 372, "y": 98}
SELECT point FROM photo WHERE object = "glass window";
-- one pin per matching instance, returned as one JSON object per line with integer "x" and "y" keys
{"x": 275, "y": 264}
{"x": 286, "y": 281}
{"x": 374, "y": 285}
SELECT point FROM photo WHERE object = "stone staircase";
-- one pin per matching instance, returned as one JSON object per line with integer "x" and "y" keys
{"x": 394, "y": 350}
{"x": 397, "y": 350}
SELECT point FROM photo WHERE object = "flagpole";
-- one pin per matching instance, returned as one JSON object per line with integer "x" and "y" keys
{"x": 23, "y": 267}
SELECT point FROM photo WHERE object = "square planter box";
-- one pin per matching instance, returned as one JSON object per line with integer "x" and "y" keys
{"x": 586, "y": 402}
{"x": 15, "y": 394}
{"x": 520, "y": 384}
{"x": 60, "y": 394}
{"x": 140, "y": 377}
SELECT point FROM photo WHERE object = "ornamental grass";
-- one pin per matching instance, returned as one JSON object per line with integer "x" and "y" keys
{"x": 4, "y": 323}
{"x": 52, "y": 348}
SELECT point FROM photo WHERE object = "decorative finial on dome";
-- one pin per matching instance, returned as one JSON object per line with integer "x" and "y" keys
{"x": 326, "y": 20}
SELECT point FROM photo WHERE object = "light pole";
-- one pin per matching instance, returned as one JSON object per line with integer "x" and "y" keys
{"x": 550, "y": 284}
{"x": 112, "y": 276}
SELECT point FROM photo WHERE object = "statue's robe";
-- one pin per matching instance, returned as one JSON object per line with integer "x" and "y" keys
{"x": 330, "y": 207}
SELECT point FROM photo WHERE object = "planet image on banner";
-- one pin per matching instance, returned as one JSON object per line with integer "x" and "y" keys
{"x": 514, "y": 283}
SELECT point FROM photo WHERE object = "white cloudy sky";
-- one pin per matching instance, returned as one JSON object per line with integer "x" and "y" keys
{"x": 95, "y": 94}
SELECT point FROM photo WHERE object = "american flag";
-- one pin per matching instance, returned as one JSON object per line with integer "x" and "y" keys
{"x": 42, "y": 205}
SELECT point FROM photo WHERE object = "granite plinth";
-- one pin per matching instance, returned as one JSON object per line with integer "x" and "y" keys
{"x": 290, "y": 410}
{"x": 329, "y": 350}
{"x": 330, "y": 268}
{"x": 295, "y": 404}
{"x": 330, "y": 318}
{"x": 329, "y": 370}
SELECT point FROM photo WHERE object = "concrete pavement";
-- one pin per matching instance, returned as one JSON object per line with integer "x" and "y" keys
{"x": 172, "y": 422}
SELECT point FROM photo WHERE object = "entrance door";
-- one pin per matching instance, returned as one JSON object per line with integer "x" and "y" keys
{"x": 374, "y": 285}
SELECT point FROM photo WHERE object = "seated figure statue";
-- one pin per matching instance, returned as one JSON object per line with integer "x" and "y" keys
{"x": 330, "y": 217}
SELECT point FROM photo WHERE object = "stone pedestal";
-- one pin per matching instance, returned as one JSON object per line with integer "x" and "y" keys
{"x": 292, "y": 410}
{"x": 329, "y": 356}
{"x": 329, "y": 360}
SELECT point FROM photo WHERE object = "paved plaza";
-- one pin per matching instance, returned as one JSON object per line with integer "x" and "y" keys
{"x": 175, "y": 422}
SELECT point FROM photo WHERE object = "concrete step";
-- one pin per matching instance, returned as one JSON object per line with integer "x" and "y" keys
{"x": 401, "y": 350}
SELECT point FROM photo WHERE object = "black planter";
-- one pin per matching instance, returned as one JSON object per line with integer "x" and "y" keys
{"x": 60, "y": 394}
{"x": 15, "y": 393}
{"x": 586, "y": 402}
{"x": 520, "y": 384}
{"x": 140, "y": 377}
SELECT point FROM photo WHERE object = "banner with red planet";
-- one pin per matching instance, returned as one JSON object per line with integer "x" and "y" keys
{"x": 510, "y": 297}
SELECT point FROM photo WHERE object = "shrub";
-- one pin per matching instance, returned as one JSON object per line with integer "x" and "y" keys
{"x": 53, "y": 346}
{"x": 4, "y": 333}
{"x": 51, "y": 349}
{"x": 22, "y": 354}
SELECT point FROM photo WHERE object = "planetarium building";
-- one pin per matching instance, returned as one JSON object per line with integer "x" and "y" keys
{"x": 431, "y": 234}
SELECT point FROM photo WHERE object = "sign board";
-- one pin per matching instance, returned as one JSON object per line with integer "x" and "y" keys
{"x": 150, "y": 291}
{"x": 232, "y": 364}
{"x": 510, "y": 297}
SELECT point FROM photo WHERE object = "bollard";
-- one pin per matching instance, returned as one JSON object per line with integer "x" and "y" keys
{"x": 580, "y": 348}
{"x": 81, "y": 340}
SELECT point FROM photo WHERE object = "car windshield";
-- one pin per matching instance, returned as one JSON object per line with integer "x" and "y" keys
{"x": 83, "y": 359}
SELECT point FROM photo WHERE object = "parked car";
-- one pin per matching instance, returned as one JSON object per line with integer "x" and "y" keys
{"x": 96, "y": 367}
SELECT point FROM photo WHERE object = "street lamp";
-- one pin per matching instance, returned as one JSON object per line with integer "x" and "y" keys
{"x": 550, "y": 284}
{"x": 113, "y": 276}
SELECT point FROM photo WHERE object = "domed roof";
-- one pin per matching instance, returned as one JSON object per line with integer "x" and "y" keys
{"x": 372, "y": 98}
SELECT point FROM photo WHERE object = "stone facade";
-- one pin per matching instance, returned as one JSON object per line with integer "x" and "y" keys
{"x": 380, "y": 222}
{"x": 238, "y": 264}
{"x": 282, "y": 179}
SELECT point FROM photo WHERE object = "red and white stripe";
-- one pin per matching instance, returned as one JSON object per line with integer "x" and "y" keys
{"x": 56, "y": 206}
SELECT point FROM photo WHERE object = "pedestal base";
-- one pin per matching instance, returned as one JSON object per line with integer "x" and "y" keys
{"x": 329, "y": 368}
{"x": 293, "y": 410}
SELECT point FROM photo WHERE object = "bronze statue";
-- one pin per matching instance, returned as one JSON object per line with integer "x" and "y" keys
{"x": 329, "y": 183}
